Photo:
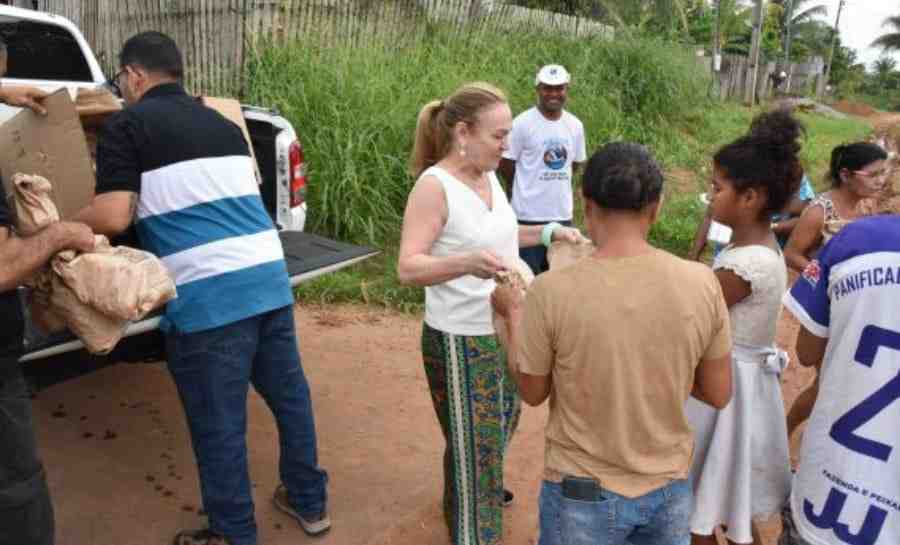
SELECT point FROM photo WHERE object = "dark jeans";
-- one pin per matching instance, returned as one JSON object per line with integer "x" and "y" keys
{"x": 213, "y": 370}
{"x": 536, "y": 256}
{"x": 26, "y": 513}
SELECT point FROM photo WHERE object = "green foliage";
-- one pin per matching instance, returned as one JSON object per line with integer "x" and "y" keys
{"x": 772, "y": 32}
{"x": 734, "y": 25}
{"x": 823, "y": 134}
{"x": 355, "y": 112}
{"x": 891, "y": 40}
{"x": 813, "y": 39}
{"x": 886, "y": 76}
{"x": 889, "y": 102}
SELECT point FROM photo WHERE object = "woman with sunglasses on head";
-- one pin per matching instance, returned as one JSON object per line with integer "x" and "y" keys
{"x": 858, "y": 171}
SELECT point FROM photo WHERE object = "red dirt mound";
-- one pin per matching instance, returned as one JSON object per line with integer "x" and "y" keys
{"x": 853, "y": 108}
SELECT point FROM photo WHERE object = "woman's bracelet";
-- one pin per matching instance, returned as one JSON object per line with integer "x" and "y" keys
{"x": 547, "y": 233}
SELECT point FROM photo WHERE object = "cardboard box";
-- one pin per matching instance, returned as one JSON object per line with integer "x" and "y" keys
{"x": 231, "y": 110}
{"x": 62, "y": 145}
{"x": 52, "y": 146}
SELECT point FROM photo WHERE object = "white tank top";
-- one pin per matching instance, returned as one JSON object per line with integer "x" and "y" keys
{"x": 462, "y": 306}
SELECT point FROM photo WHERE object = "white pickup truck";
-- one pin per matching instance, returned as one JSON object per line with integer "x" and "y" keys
{"x": 48, "y": 51}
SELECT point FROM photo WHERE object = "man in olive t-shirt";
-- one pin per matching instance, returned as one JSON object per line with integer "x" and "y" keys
{"x": 618, "y": 341}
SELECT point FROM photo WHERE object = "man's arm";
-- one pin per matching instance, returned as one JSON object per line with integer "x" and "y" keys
{"x": 22, "y": 257}
{"x": 118, "y": 176}
{"x": 533, "y": 389}
{"x": 507, "y": 170}
{"x": 712, "y": 381}
{"x": 24, "y": 96}
{"x": 810, "y": 352}
{"x": 700, "y": 236}
{"x": 508, "y": 302}
{"x": 802, "y": 407}
{"x": 110, "y": 213}
{"x": 810, "y": 348}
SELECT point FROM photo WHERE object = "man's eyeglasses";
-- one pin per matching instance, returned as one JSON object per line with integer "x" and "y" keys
{"x": 113, "y": 84}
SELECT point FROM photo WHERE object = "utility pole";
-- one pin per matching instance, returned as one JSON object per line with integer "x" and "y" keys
{"x": 715, "y": 63}
{"x": 717, "y": 47}
{"x": 753, "y": 72}
{"x": 834, "y": 38}
{"x": 788, "y": 20}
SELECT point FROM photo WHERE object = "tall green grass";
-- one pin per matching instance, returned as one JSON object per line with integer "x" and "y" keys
{"x": 355, "y": 111}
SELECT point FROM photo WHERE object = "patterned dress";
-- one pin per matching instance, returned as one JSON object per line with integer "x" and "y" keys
{"x": 833, "y": 222}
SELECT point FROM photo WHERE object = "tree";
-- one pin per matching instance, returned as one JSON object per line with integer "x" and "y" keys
{"x": 885, "y": 73}
{"x": 811, "y": 39}
{"x": 772, "y": 31}
{"x": 800, "y": 11}
{"x": 734, "y": 25}
{"x": 794, "y": 14}
{"x": 663, "y": 15}
{"x": 891, "y": 40}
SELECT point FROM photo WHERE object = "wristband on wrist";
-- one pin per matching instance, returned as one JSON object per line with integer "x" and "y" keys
{"x": 547, "y": 233}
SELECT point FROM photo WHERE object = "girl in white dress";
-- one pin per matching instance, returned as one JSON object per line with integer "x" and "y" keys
{"x": 741, "y": 468}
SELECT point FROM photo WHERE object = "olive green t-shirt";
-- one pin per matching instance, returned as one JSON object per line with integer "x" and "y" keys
{"x": 621, "y": 338}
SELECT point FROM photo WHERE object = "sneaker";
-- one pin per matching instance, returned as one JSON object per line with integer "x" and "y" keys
{"x": 507, "y": 498}
{"x": 199, "y": 537}
{"x": 316, "y": 525}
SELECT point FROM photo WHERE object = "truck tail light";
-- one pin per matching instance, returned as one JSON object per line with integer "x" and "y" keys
{"x": 297, "y": 174}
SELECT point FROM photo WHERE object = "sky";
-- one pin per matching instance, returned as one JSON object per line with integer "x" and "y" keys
{"x": 861, "y": 23}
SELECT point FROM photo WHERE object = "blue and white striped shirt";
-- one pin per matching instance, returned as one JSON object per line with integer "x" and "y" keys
{"x": 199, "y": 208}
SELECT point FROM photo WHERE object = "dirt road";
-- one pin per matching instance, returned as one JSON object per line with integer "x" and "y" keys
{"x": 121, "y": 468}
{"x": 122, "y": 471}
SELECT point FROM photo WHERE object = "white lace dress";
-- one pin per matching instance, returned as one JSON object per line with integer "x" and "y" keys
{"x": 741, "y": 465}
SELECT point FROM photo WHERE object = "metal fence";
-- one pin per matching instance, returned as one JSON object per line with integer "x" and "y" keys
{"x": 217, "y": 36}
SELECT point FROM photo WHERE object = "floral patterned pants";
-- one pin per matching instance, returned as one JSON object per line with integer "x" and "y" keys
{"x": 477, "y": 404}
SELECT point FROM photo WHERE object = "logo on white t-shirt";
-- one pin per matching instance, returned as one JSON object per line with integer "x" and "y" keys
{"x": 555, "y": 153}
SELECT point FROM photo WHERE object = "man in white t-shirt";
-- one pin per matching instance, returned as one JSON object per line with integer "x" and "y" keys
{"x": 847, "y": 488}
{"x": 546, "y": 150}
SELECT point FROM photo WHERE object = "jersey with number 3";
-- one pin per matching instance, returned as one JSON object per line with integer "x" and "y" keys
{"x": 847, "y": 489}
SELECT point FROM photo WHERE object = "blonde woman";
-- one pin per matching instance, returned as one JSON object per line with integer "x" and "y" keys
{"x": 458, "y": 231}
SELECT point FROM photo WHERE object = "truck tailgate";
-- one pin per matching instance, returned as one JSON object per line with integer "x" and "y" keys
{"x": 307, "y": 255}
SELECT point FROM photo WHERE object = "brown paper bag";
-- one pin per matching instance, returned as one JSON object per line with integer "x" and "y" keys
{"x": 33, "y": 196}
{"x": 518, "y": 276}
{"x": 43, "y": 316}
{"x": 99, "y": 333}
{"x": 563, "y": 254}
{"x": 121, "y": 282}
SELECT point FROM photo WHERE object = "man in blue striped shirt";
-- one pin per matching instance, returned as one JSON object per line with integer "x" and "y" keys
{"x": 184, "y": 176}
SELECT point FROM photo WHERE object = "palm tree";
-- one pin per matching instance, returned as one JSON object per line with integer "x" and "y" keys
{"x": 637, "y": 13}
{"x": 811, "y": 39}
{"x": 884, "y": 71}
{"x": 797, "y": 13}
{"x": 891, "y": 40}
